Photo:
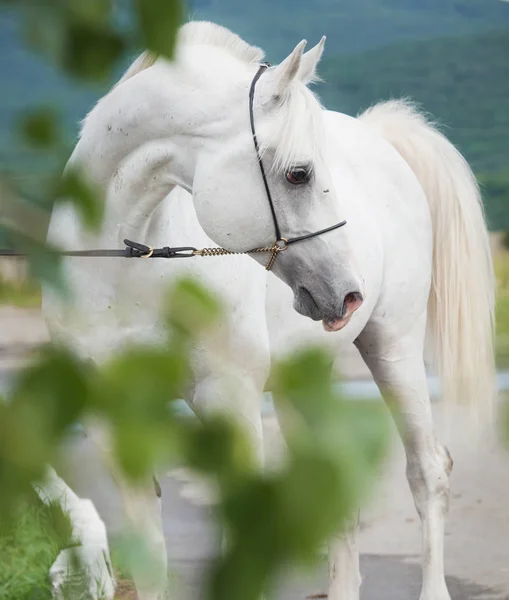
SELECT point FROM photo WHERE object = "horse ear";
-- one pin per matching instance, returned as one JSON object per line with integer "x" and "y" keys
{"x": 287, "y": 71}
{"x": 309, "y": 62}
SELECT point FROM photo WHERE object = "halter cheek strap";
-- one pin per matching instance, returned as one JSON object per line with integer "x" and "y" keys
{"x": 281, "y": 243}
{"x": 259, "y": 73}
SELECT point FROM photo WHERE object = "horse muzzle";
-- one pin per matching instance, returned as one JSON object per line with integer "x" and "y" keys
{"x": 335, "y": 311}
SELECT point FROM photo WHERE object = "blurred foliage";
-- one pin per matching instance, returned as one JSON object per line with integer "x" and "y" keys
{"x": 159, "y": 22}
{"x": 72, "y": 186}
{"x": 271, "y": 518}
{"x": 502, "y": 309}
{"x": 40, "y": 129}
{"x": 24, "y": 295}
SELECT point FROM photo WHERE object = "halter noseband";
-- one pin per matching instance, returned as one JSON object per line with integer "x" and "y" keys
{"x": 281, "y": 242}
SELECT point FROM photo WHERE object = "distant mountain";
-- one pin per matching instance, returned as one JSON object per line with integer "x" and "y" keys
{"x": 351, "y": 25}
{"x": 463, "y": 83}
{"x": 375, "y": 49}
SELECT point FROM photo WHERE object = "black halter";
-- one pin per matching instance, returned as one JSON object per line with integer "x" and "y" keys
{"x": 281, "y": 242}
{"x": 137, "y": 250}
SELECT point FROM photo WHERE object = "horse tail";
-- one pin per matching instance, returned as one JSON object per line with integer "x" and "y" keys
{"x": 461, "y": 304}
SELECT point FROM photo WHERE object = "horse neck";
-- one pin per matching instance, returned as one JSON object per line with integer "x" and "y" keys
{"x": 145, "y": 136}
{"x": 181, "y": 105}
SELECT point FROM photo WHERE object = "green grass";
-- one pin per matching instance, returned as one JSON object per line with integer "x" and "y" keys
{"x": 27, "y": 295}
{"x": 29, "y": 545}
{"x": 502, "y": 313}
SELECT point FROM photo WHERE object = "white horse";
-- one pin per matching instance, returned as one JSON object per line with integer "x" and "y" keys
{"x": 415, "y": 247}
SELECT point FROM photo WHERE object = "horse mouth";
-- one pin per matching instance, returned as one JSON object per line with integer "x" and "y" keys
{"x": 337, "y": 324}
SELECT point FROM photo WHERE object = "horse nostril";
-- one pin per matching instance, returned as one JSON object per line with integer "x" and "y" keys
{"x": 352, "y": 302}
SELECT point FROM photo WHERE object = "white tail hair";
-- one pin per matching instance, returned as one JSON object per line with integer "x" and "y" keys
{"x": 462, "y": 297}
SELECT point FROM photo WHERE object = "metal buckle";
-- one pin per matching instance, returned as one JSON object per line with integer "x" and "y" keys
{"x": 281, "y": 244}
{"x": 149, "y": 253}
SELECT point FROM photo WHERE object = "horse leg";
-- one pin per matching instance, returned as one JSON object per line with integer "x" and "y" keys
{"x": 397, "y": 366}
{"x": 142, "y": 506}
{"x": 344, "y": 570}
{"x": 236, "y": 396}
{"x": 87, "y": 527}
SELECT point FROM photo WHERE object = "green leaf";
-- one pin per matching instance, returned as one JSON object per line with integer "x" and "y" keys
{"x": 45, "y": 30}
{"x": 140, "y": 383}
{"x": 159, "y": 22}
{"x": 133, "y": 393}
{"x": 218, "y": 447}
{"x": 91, "y": 53}
{"x": 132, "y": 553}
{"x": 47, "y": 398}
{"x": 46, "y": 266}
{"x": 138, "y": 447}
{"x": 91, "y": 12}
{"x": 43, "y": 261}
{"x": 256, "y": 550}
{"x": 76, "y": 36}
{"x": 57, "y": 385}
{"x": 74, "y": 187}
{"x": 192, "y": 309}
{"x": 40, "y": 128}
{"x": 304, "y": 375}
{"x": 316, "y": 491}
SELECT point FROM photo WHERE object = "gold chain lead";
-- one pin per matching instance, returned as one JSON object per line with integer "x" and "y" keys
{"x": 274, "y": 251}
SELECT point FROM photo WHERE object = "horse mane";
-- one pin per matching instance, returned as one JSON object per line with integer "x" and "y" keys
{"x": 299, "y": 134}
{"x": 205, "y": 32}
{"x": 201, "y": 32}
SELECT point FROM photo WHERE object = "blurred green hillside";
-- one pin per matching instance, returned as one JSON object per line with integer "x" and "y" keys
{"x": 449, "y": 55}
{"x": 351, "y": 26}
{"x": 463, "y": 83}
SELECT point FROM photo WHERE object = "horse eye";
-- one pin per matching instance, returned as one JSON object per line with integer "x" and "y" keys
{"x": 298, "y": 175}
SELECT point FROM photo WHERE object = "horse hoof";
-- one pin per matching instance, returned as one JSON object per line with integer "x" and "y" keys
{"x": 81, "y": 573}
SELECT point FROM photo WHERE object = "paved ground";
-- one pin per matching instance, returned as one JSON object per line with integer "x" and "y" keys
{"x": 477, "y": 537}
{"x": 477, "y": 547}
